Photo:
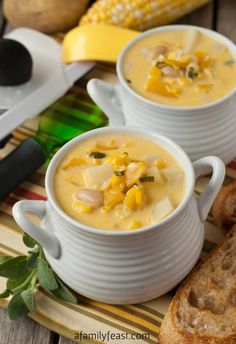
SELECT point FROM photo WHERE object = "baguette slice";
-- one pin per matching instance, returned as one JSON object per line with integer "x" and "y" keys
{"x": 203, "y": 310}
{"x": 224, "y": 207}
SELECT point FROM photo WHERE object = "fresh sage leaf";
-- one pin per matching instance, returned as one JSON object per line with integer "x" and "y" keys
{"x": 17, "y": 307}
{"x": 29, "y": 299}
{"x": 46, "y": 277}
{"x": 20, "y": 283}
{"x": 14, "y": 267}
{"x": 32, "y": 260}
{"x": 28, "y": 241}
{"x": 64, "y": 293}
{"x": 3, "y": 259}
{"x": 5, "y": 294}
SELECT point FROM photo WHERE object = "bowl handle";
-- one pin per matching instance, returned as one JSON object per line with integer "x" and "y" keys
{"x": 48, "y": 240}
{"x": 202, "y": 167}
{"x": 106, "y": 97}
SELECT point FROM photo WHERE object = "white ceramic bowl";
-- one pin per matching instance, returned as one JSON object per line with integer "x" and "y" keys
{"x": 124, "y": 266}
{"x": 200, "y": 130}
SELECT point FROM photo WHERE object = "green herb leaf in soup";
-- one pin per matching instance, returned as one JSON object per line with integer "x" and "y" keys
{"x": 97, "y": 155}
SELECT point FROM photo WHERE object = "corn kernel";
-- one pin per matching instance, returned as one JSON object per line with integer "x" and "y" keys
{"x": 134, "y": 198}
{"x": 112, "y": 196}
{"x": 117, "y": 181}
{"x": 204, "y": 60}
{"x": 135, "y": 170}
{"x": 156, "y": 85}
{"x": 135, "y": 224}
{"x": 83, "y": 208}
{"x": 119, "y": 160}
{"x": 76, "y": 161}
{"x": 160, "y": 163}
{"x": 178, "y": 60}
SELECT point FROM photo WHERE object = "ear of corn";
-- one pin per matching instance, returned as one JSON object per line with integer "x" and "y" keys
{"x": 139, "y": 14}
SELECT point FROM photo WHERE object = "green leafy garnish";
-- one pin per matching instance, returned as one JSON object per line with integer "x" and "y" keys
{"x": 97, "y": 155}
{"x": 28, "y": 241}
{"x": 192, "y": 74}
{"x": 119, "y": 173}
{"x": 147, "y": 179}
{"x": 161, "y": 64}
{"x": 25, "y": 275}
{"x": 64, "y": 293}
{"x": 17, "y": 307}
{"x": 229, "y": 62}
{"x": 29, "y": 299}
{"x": 46, "y": 277}
{"x": 4, "y": 294}
{"x": 4, "y": 259}
{"x": 14, "y": 267}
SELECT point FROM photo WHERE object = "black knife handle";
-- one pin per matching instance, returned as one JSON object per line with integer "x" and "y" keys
{"x": 20, "y": 164}
{"x": 4, "y": 141}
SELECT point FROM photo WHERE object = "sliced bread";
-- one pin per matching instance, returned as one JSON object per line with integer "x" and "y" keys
{"x": 203, "y": 310}
{"x": 224, "y": 207}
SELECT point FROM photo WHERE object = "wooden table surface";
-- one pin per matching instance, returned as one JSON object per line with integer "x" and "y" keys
{"x": 219, "y": 15}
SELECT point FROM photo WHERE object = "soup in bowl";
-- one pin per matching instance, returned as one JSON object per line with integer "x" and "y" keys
{"x": 99, "y": 254}
{"x": 119, "y": 182}
{"x": 181, "y": 68}
{"x": 179, "y": 81}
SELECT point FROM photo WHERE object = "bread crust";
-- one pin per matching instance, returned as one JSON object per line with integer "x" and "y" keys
{"x": 172, "y": 332}
{"x": 224, "y": 207}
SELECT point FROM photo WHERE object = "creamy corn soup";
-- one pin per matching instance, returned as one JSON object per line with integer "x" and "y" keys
{"x": 118, "y": 182}
{"x": 184, "y": 68}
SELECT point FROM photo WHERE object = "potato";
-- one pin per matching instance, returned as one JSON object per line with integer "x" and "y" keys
{"x": 95, "y": 176}
{"x": 173, "y": 175}
{"x": 154, "y": 171}
{"x": 48, "y": 16}
{"x": 162, "y": 209}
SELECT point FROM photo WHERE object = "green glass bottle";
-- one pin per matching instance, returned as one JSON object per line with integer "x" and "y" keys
{"x": 67, "y": 118}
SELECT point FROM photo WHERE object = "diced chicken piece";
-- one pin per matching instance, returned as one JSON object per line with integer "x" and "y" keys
{"x": 170, "y": 72}
{"x": 95, "y": 176}
{"x": 157, "y": 51}
{"x": 162, "y": 209}
{"x": 173, "y": 175}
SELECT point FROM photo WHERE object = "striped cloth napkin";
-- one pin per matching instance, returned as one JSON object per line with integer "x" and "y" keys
{"x": 89, "y": 321}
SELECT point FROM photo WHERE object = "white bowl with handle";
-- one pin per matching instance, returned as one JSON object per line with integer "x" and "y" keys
{"x": 121, "y": 267}
{"x": 200, "y": 130}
